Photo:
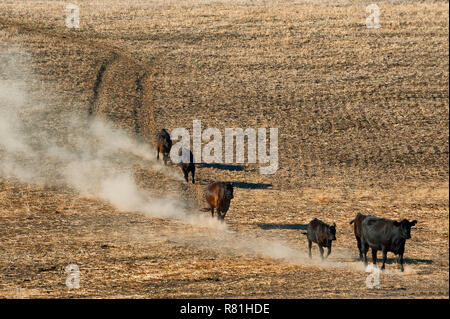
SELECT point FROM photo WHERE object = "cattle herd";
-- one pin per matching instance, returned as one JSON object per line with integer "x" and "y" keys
{"x": 370, "y": 231}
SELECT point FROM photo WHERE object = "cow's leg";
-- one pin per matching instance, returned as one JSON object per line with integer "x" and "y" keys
{"x": 329, "y": 251}
{"x": 401, "y": 262}
{"x": 309, "y": 247}
{"x": 364, "y": 249}
{"x": 321, "y": 251}
{"x": 185, "y": 172}
{"x": 212, "y": 211}
{"x": 157, "y": 155}
{"x": 374, "y": 256}
{"x": 384, "y": 257}
{"x": 358, "y": 240}
{"x": 165, "y": 157}
{"x": 193, "y": 176}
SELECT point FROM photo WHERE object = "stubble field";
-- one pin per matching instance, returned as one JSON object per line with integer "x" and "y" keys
{"x": 362, "y": 116}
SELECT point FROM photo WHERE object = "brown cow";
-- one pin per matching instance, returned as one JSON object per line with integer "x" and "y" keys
{"x": 218, "y": 196}
{"x": 163, "y": 144}
{"x": 187, "y": 164}
{"x": 322, "y": 234}
{"x": 357, "y": 228}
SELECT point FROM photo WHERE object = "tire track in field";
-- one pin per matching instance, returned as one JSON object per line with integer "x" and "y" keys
{"x": 98, "y": 82}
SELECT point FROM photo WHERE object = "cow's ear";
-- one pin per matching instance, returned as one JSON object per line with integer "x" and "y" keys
{"x": 396, "y": 223}
{"x": 413, "y": 222}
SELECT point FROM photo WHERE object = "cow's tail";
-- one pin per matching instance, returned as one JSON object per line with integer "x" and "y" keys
{"x": 352, "y": 222}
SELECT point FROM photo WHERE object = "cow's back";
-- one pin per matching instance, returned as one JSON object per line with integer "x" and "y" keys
{"x": 163, "y": 139}
{"x": 317, "y": 231}
{"x": 187, "y": 166}
{"x": 378, "y": 232}
{"x": 215, "y": 196}
{"x": 214, "y": 193}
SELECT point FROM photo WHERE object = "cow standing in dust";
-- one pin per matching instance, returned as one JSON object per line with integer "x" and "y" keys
{"x": 322, "y": 234}
{"x": 357, "y": 224}
{"x": 219, "y": 195}
{"x": 187, "y": 164}
{"x": 385, "y": 235}
{"x": 163, "y": 145}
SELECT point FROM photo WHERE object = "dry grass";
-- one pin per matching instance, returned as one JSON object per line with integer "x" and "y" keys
{"x": 363, "y": 121}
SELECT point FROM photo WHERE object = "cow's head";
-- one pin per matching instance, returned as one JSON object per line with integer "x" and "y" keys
{"x": 405, "y": 227}
{"x": 229, "y": 191}
{"x": 332, "y": 232}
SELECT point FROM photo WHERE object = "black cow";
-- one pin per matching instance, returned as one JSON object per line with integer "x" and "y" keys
{"x": 357, "y": 224}
{"x": 322, "y": 234}
{"x": 385, "y": 235}
{"x": 187, "y": 164}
